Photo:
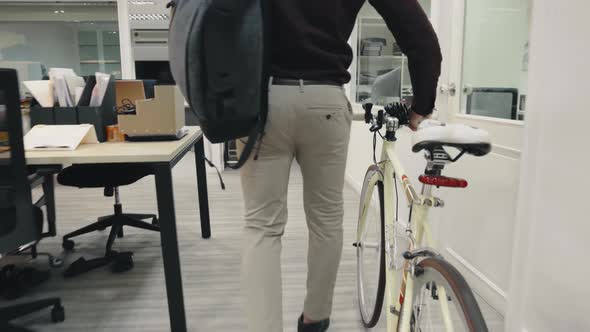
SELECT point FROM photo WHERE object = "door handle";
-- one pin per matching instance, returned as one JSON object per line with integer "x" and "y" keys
{"x": 448, "y": 89}
{"x": 467, "y": 89}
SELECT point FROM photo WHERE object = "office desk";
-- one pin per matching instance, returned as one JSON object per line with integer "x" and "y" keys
{"x": 162, "y": 156}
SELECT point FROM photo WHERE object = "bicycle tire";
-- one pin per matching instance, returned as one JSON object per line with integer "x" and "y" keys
{"x": 370, "y": 319}
{"x": 462, "y": 293}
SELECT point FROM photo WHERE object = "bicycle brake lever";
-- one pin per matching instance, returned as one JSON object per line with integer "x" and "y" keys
{"x": 378, "y": 124}
{"x": 421, "y": 252}
{"x": 368, "y": 115}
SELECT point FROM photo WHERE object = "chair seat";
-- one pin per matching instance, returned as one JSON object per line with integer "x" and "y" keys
{"x": 102, "y": 175}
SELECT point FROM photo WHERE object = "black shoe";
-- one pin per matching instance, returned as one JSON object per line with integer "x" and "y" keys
{"x": 320, "y": 326}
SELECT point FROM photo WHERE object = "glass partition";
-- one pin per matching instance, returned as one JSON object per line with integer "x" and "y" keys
{"x": 35, "y": 37}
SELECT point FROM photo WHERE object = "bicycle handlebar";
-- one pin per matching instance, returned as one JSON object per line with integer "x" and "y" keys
{"x": 396, "y": 110}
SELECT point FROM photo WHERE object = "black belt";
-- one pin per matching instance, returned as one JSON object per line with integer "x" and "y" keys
{"x": 294, "y": 82}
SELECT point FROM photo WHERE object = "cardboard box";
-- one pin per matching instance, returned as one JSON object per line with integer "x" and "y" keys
{"x": 161, "y": 116}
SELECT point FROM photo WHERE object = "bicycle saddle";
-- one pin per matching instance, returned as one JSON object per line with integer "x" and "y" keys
{"x": 433, "y": 134}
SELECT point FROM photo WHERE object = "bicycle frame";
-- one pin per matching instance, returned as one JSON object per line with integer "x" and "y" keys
{"x": 420, "y": 233}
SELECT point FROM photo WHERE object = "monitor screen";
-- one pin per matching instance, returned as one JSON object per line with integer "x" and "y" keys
{"x": 493, "y": 102}
{"x": 154, "y": 70}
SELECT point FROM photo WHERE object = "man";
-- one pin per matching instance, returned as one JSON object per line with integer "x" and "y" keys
{"x": 309, "y": 121}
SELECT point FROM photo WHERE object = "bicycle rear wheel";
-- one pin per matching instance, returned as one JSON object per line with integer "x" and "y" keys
{"x": 370, "y": 249}
{"x": 443, "y": 301}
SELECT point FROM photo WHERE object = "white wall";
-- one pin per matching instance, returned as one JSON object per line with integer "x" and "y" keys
{"x": 549, "y": 285}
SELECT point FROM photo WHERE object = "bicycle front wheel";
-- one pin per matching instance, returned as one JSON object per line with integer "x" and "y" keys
{"x": 370, "y": 248}
{"x": 443, "y": 301}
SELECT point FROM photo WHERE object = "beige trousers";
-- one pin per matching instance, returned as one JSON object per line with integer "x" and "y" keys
{"x": 312, "y": 125}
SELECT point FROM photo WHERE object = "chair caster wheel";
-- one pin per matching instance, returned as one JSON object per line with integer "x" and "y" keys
{"x": 55, "y": 262}
{"x": 123, "y": 262}
{"x": 58, "y": 314}
{"x": 68, "y": 244}
{"x": 155, "y": 221}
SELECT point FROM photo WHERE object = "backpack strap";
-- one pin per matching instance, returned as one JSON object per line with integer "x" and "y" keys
{"x": 246, "y": 152}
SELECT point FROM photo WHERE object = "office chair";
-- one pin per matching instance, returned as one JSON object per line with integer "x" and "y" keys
{"x": 110, "y": 177}
{"x": 43, "y": 177}
{"x": 21, "y": 222}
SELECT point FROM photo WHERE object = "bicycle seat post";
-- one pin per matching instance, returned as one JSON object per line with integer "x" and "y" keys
{"x": 436, "y": 158}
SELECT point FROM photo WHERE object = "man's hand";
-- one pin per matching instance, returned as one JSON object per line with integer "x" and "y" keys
{"x": 415, "y": 120}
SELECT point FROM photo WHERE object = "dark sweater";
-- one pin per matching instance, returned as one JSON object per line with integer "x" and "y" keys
{"x": 310, "y": 41}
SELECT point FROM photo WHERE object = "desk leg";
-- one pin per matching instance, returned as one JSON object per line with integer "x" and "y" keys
{"x": 49, "y": 192}
{"x": 170, "y": 252}
{"x": 202, "y": 185}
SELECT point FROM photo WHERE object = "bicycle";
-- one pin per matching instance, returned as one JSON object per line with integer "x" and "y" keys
{"x": 422, "y": 291}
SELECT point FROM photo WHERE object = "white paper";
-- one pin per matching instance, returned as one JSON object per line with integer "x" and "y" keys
{"x": 63, "y": 94}
{"x": 55, "y": 72}
{"x": 42, "y": 91}
{"x": 78, "y": 94}
{"x": 74, "y": 82}
{"x": 59, "y": 137}
{"x": 61, "y": 71}
{"x": 100, "y": 89}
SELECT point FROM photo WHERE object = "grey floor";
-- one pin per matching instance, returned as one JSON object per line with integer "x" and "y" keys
{"x": 136, "y": 300}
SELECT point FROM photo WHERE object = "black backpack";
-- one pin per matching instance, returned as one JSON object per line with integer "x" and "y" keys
{"x": 219, "y": 56}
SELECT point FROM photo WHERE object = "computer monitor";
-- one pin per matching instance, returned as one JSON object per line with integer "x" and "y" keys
{"x": 154, "y": 70}
{"x": 493, "y": 102}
